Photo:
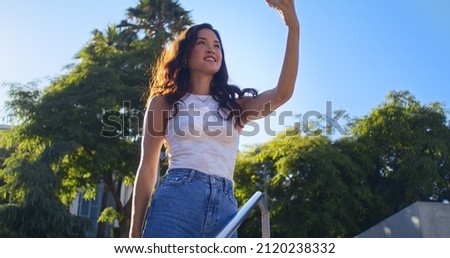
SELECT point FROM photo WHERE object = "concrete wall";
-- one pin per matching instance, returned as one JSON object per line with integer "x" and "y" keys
{"x": 421, "y": 219}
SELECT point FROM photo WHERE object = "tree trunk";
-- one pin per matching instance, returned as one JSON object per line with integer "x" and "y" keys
{"x": 101, "y": 226}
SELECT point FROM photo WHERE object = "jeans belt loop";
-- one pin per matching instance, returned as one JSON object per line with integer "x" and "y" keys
{"x": 225, "y": 185}
{"x": 191, "y": 175}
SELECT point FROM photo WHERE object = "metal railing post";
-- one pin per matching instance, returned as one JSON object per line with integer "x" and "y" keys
{"x": 242, "y": 214}
{"x": 265, "y": 217}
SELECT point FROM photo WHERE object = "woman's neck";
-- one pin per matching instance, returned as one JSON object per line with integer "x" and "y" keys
{"x": 200, "y": 84}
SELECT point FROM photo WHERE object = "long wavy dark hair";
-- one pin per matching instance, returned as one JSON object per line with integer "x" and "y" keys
{"x": 170, "y": 76}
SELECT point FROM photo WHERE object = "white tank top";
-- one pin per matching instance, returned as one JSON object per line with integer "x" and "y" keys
{"x": 199, "y": 138}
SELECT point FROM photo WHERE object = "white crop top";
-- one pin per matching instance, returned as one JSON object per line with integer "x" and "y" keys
{"x": 199, "y": 138}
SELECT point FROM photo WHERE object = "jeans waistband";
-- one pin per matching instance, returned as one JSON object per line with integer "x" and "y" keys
{"x": 203, "y": 177}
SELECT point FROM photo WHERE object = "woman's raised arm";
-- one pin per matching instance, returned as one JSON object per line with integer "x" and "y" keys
{"x": 268, "y": 101}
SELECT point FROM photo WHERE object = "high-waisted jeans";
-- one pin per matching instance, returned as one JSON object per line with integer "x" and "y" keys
{"x": 190, "y": 203}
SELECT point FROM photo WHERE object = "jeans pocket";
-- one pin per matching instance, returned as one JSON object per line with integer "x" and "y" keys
{"x": 175, "y": 179}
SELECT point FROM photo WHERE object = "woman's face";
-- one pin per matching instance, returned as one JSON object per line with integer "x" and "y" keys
{"x": 206, "y": 56}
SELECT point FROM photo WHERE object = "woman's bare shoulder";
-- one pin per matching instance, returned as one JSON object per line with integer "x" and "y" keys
{"x": 158, "y": 103}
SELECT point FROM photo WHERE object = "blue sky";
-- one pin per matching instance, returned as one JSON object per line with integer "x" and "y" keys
{"x": 352, "y": 52}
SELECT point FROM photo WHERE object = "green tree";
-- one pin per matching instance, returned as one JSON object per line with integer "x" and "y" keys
{"x": 30, "y": 188}
{"x": 313, "y": 189}
{"x": 98, "y": 107}
{"x": 4, "y": 153}
{"x": 396, "y": 155}
{"x": 406, "y": 147}
{"x": 159, "y": 20}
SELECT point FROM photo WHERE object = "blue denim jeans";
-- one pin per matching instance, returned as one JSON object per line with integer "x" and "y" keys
{"x": 190, "y": 204}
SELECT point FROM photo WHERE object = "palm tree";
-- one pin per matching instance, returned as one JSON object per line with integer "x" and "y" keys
{"x": 158, "y": 20}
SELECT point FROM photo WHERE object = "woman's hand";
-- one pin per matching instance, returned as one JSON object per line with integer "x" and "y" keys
{"x": 286, "y": 8}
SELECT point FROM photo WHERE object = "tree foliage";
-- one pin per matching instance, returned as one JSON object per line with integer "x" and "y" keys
{"x": 407, "y": 147}
{"x": 313, "y": 189}
{"x": 398, "y": 154}
{"x": 31, "y": 189}
{"x": 97, "y": 106}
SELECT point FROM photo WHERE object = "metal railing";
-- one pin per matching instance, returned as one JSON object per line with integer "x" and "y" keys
{"x": 242, "y": 214}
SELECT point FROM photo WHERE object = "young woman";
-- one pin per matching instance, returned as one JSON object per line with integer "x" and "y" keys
{"x": 198, "y": 116}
